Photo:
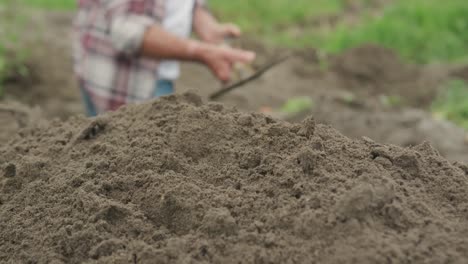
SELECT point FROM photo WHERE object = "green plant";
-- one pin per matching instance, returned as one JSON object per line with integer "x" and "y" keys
{"x": 53, "y": 4}
{"x": 391, "y": 100}
{"x": 280, "y": 22}
{"x": 297, "y": 105}
{"x": 452, "y": 104}
{"x": 4, "y": 8}
{"x": 2, "y": 66}
{"x": 257, "y": 15}
{"x": 12, "y": 53}
{"x": 420, "y": 30}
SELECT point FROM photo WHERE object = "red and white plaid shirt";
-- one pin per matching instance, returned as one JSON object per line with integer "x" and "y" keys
{"x": 109, "y": 34}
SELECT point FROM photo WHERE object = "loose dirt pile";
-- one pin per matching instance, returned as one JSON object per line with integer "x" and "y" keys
{"x": 178, "y": 181}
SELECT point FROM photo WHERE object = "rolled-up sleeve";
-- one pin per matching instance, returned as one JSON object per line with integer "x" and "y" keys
{"x": 127, "y": 28}
{"x": 126, "y": 25}
{"x": 127, "y": 32}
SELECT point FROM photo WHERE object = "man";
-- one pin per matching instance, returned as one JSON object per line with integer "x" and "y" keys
{"x": 125, "y": 49}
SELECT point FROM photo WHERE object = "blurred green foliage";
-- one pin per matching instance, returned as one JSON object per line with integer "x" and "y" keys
{"x": 53, "y": 4}
{"x": 12, "y": 54}
{"x": 6, "y": 36}
{"x": 452, "y": 104}
{"x": 281, "y": 22}
{"x": 420, "y": 30}
{"x": 297, "y": 105}
{"x": 270, "y": 19}
{"x": 266, "y": 16}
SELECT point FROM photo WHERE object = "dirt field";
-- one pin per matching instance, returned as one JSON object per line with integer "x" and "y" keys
{"x": 51, "y": 85}
{"x": 178, "y": 181}
{"x": 365, "y": 74}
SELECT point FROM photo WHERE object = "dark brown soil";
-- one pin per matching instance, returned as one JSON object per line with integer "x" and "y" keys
{"x": 178, "y": 181}
{"x": 372, "y": 70}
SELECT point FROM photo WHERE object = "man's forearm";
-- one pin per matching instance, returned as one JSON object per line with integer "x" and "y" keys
{"x": 202, "y": 19}
{"x": 160, "y": 44}
{"x": 208, "y": 29}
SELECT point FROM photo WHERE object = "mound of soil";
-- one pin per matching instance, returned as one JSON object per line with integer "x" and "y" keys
{"x": 179, "y": 181}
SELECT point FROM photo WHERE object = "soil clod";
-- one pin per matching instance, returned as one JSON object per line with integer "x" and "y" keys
{"x": 10, "y": 171}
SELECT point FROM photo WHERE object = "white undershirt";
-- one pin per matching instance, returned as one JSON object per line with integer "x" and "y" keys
{"x": 178, "y": 21}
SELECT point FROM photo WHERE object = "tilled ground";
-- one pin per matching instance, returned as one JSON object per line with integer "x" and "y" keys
{"x": 367, "y": 74}
{"x": 179, "y": 181}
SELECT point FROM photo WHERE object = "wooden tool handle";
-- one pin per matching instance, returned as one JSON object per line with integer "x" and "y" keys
{"x": 253, "y": 77}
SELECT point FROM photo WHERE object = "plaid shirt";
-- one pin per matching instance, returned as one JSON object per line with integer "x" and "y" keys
{"x": 109, "y": 34}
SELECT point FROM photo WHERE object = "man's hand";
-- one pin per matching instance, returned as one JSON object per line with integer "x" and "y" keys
{"x": 160, "y": 44}
{"x": 218, "y": 33}
{"x": 210, "y": 30}
{"x": 221, "y": 60}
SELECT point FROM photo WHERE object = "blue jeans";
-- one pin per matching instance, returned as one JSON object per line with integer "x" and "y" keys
{"x": 162, "y": 88}
{"x": 88, "y": 103}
